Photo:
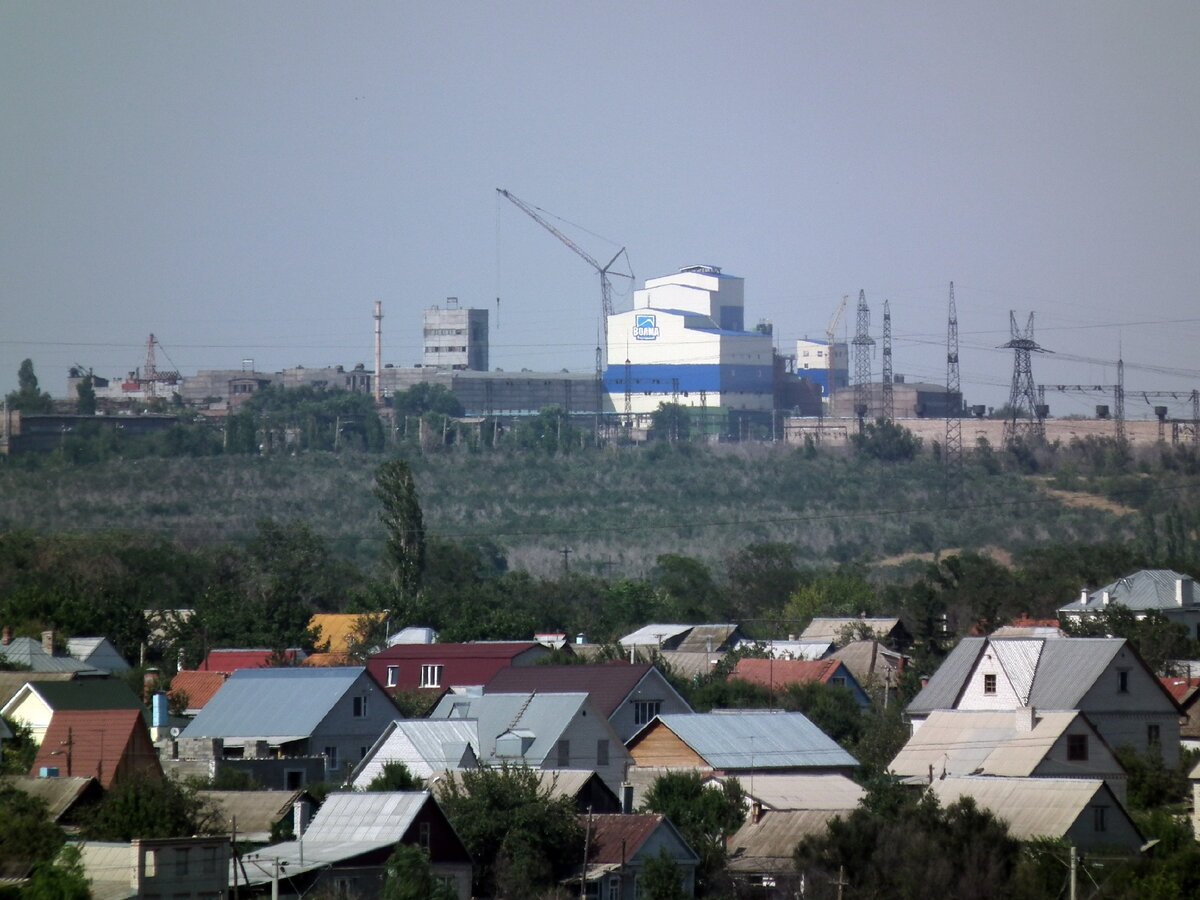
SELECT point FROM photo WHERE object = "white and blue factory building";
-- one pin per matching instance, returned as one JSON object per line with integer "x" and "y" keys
{"x": 685, "y": 341}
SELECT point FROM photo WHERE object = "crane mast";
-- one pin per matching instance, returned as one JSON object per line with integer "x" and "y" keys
{"x": 606, "y": 304}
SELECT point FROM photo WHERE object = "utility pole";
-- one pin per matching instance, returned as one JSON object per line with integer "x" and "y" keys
{"x": 1074, "y": 871}
{"x": 841, "y": 882}
{"x": 862, "y": 361}
{"x": 378, "y": 353}
{"x": 566, "y": 554}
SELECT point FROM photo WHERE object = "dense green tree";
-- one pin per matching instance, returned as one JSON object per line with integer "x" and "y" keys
{"x": 424, "y": 398}
{"x": 759, "y": 577}
{"x": 661, "y": 878}
{"x": 831, "y": 708}
{"x": 395, "y": 776}
{"x": 63, "y": 878}
{"x": 28, "y": 397}
{"x": 521, "y": 838}
{"x": 401, "y": 514}
{"x": 146, "y": 807}
{"x": 886, "y": 441}
{"x": 409, "y": 876}
{"x": 705, "y": 815}
{"x": 900, "y": 846}
{"x": 27, "y": 835}
{"x": 670, "y": 422}
{"x": 689, "y": 586}
{"x": 86, "y": 396}
{"x": 20, "y": 750}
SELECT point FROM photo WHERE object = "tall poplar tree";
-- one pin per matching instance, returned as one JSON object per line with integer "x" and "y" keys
{"x": 401, "y": 515}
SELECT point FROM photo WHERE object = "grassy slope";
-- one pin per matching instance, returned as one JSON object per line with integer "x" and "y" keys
{"x": 617, "y": 509}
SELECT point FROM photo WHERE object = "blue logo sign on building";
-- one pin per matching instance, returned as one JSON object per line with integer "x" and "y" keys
{"x": 645, "y": 327}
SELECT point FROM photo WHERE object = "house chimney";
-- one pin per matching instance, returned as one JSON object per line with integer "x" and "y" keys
{"x": 1083, "y": 597}
{"x": 48, "y": 642}
{"x": 6, "y": 635}
{"x": 1104, "y": 598}
{"x": 1026, "y": 719}
{"x": 1185, "y": 591}
{"x": 149, "y": 684}
{"x": 299, "y": 818}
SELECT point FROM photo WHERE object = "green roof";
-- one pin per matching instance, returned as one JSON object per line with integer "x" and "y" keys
{"x": 90, "y": 694}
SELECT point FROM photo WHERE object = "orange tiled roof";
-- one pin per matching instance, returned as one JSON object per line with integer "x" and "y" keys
{"x": 198, "y": 686}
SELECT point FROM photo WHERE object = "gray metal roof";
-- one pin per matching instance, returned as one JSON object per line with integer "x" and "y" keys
{"x": 369, "y": 816}
{"x": 425, "y": 746}
{"x": 653, "y": 635}
{"x": 255, "y": 812}
{"x": 273, "y": 703}
{"x": 831, "y": 629}
{"x": 1063, "y": 670}
{"x": 1146, "y": 589}
{"x": 1068, "y": 669}
{"x": 795, "y": 792}
{"x": 754, "y": 739}
{"x": 947, "y": 682}
{"x": 768, "y": 845}
{"x": 98, "y": 652}
{"x": 28, "y": 652}
{"x": 541, "y": 717}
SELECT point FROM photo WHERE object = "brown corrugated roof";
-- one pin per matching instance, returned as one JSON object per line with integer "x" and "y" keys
{"x": 774, "y": 673}
{"x": 608, "y": 685}
{"x": 614, "y": 838}
{"x": 106, "y": 745}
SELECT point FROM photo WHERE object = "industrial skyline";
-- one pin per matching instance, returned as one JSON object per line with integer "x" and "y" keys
{"x": 247, "y": 182}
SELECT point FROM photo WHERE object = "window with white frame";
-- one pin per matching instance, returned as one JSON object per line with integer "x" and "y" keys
{"x": 393, "y": 673}
{"x": 431, "y": 675}
{"x": 331, "y": 757}
{"x": 645, "y": 710}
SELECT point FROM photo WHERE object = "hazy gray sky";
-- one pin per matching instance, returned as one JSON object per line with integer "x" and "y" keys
{"x": 246, "y": 179}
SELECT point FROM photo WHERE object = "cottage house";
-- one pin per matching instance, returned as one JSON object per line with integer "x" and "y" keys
{"x": 1082, "y": 812}
{"x": 1021, "y": 743}
{"x": 620, "y": 845}
{"x": 426, "y": 747}
{"x": 779, "y": 674}
{"x": 1102, "y": 677}
{"x": 336, "y": 712}
{"x": 542, "y": 731}
{"x": 346, "y": 847}
{"x": 1159, "y": 590}
{"x": 183, "y": 868}
{"x": 36, "y": 702}
{"x": 629, "y": 695}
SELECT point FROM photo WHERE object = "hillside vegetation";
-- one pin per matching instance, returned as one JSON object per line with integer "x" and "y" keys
{"x": 616, "y": 509}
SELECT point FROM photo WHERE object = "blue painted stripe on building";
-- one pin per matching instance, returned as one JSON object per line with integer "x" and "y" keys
{"x": 659, "y": 379}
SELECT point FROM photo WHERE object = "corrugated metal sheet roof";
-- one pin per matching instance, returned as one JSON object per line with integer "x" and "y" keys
{"x": 543, "y": 717}
{"x": 752, "y": 739}
{"x": 654, "y": 635}
{"x": 803, "y": 792}
{"x": 87, "y": 693}
{"x": 365, "y": 816}
{"x": 425, "y": 746}
{"x": 261, "y": 703}
{"x": 256, "y": 812}
{"x": 1032, "y": 807}
{"x": 768, "y": 845}
{"x": 947, "y": 682}
{"x": 477, "y": 650}
{"x": 690, "y": 664}
{"x": 59, "y": 794}
{"x": 1145, "y": 589}
{"x": 12, "y": 682}
{"x": 27, "y": 652}
{"x": 608, "y": 685}
{"x": 789, "y": 649}
{"x": 1068, "y": 669}
{"x": 704, "y": 638}
{"x": 965, "y": 742}
{"x": 831, "y": 629}
{"x": 870, "y": 660}
{"x": 773, "y": 673}
{"x": 1019, "y": 659}
{"x": 98, "y": 652}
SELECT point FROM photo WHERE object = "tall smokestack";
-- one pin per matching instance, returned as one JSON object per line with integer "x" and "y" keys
{"x": 378, "y": 353}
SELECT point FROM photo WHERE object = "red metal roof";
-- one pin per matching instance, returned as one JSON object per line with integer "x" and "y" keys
{"x": 609, "y": 685}
{"x": 773, "y": 673}
{"x": 481, "y": 650}
{"x": 197, "y": 687}
{"x": 107, "y": 745}
{"x": 230, "y": 661}
{"x": 1179, "y": 688}
{"x": 404, "y": 666}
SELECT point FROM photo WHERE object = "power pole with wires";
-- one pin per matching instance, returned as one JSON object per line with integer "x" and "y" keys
{"x": 889, "y": 402}
{"x": 953, "y": 451}
{"x": 1026, "y": 416}
{"x": 862, "y": 361}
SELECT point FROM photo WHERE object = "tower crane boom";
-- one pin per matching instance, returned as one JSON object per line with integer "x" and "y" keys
{"x": 606, "y": 304}
{"x": 831, "y": 331}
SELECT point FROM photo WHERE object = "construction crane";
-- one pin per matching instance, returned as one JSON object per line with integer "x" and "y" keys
{"x": 831, "y": 331}
{"x": 606, "y": 304}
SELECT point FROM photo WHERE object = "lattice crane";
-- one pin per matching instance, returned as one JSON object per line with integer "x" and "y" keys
{"x": 606, "y": 304}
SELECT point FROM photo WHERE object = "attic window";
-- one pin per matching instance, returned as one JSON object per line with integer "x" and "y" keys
{"x": 1077, "y": 747}
{"x": 1098, "y": 823}
{"x": 360, "y": 707}
{"x": 989, "y": 684}
{"x": 1122, "y": 681}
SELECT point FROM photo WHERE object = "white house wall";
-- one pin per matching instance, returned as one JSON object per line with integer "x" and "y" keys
{"x": 975, "y": 697}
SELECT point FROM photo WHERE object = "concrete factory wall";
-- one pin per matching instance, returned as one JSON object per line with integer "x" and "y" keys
{"x": 837, "y": 431}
